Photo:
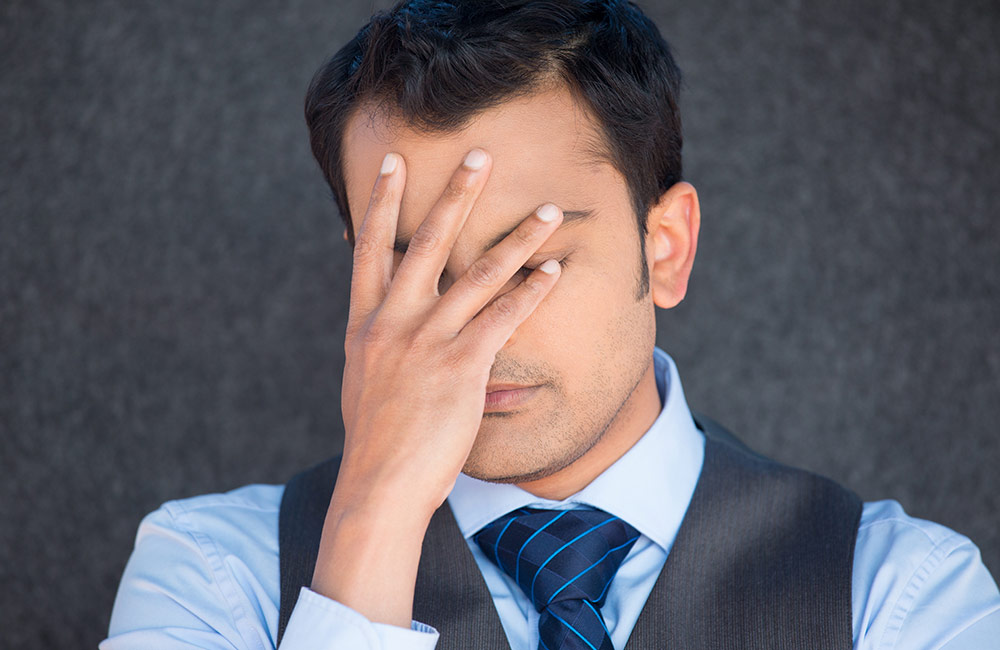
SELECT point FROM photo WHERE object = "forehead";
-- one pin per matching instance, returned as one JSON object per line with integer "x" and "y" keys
{"x": 543, "y": 148}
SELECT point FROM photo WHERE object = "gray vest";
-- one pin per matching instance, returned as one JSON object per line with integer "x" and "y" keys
{"x": 763, "y": 559}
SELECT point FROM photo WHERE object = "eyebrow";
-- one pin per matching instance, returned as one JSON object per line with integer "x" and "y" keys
{"x": 402, "y": 242}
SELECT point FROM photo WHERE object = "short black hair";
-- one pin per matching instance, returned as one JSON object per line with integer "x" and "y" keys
{"x": 435, "y": 65}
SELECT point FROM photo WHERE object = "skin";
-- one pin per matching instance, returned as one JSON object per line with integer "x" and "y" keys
{"x": 579, "y": 333}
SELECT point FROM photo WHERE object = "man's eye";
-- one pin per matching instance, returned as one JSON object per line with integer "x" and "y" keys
{"x": 523, "y": 272}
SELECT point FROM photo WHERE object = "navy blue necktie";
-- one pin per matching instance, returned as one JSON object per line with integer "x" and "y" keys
{"x": 564, "y": 561}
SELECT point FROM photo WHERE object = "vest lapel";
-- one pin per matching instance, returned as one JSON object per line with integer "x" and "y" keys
{"x": 451, "y": 594}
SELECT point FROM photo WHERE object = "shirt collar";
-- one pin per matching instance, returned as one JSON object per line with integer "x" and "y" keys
{"x": 650, "y": 486}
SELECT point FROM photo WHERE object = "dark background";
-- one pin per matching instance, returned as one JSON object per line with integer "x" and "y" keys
{"x": 173, "y": 280}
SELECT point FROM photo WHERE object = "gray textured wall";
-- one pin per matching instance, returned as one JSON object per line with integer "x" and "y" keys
{"x": 173, "y": 283}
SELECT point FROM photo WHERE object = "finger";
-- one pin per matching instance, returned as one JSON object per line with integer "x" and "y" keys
{"x": 430, "y": 246}
{"x": 495, "y": 324}
{"x": 372, "y": 268}
{"x": 491, "y": 272}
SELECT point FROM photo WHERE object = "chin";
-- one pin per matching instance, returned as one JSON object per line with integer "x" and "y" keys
{"x": 508, "y": 466}
{"x": 497, "y": 475}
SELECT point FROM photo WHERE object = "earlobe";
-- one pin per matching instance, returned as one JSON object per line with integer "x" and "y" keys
{"x": 673, "y": 223}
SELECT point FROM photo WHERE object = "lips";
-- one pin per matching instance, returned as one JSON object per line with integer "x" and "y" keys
{"x": 506, "y": 399}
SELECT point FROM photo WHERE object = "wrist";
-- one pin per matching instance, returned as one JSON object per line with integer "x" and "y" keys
{"x": 379, "y": 516}
{"x": 390, "y": 490}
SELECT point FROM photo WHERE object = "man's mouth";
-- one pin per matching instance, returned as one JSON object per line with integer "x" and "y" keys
{"x": 504, "y": 397}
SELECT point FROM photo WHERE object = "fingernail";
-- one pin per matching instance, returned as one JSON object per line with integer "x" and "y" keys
{"x": 475, "y": 159}
{"x": 388, "y": 164}
{"x": 549, "y": 266}
{"x": 548, "y": 212}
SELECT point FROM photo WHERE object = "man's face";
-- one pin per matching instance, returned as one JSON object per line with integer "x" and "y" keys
{"x": 589, "y": 342}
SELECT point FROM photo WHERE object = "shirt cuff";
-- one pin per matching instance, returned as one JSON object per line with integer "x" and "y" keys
{"x": 320, "y": 623}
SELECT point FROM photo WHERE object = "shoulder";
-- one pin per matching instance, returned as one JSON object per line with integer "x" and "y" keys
{"x": 246, "y": 515}
{"x": 250, "y": 502}
{"x": 241, "y": 523}
{"x": 887, "y": 530}
{"x": 915, "y": 580}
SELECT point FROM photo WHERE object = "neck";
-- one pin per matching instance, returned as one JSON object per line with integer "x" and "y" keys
{"x": 632, "y": 422}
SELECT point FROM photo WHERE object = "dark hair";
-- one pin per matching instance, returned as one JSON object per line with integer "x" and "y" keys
{"x": 434, "y": 65}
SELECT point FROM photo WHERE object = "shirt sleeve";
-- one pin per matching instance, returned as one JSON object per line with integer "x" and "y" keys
{"x": 320, "y": 623}
{"x": 181, "y": 590}
{"x": 918, "y": 584}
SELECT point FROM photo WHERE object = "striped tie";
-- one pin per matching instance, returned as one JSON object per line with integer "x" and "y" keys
{"x": 564, "y": 561}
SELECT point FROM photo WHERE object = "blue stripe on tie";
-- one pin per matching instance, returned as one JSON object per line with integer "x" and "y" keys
{"x": 572, "y": 629}
{"x": 496, "y": 547}
{"x": 584, "y": 572}
{"x": 517, "y": 560}
{"x": 531, "y": 592}
{"x": 606, "y": 585}
{"x": 544, "y": 647}
{"x": 588, "y": 604}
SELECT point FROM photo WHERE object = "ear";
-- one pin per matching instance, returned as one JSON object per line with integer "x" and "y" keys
{"x": 345, "y": 236}
{"x": 673, "y": 225}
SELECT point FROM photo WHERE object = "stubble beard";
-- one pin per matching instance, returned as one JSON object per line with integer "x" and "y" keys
{"x": 484, "y": 464}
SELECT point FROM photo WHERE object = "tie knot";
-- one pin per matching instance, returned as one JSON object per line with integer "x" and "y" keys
{"x": 555, "y": 555}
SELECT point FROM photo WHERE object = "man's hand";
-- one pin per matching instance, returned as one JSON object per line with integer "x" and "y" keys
{"x": 417, "y": 366}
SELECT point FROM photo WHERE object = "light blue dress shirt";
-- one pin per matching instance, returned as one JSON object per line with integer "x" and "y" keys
{"x": 204, "y": 571}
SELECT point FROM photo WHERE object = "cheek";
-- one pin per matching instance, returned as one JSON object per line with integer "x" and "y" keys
{"x": 581, "y": 304}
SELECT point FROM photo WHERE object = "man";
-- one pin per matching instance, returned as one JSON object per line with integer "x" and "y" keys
{"x": 510, "y": 177}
